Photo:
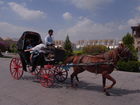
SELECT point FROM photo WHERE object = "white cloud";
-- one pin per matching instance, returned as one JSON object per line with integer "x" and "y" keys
{"x": 67, "y": 16}
{"x": 87, "y": 29}
{"x": 123, "y": 27}
{"x": 134, "y": 21}
{"x": 26, "y": 13}
{"x": 138, "y": 8}
{"x": 89, "y": 4}
{"x": 11, "y": 30}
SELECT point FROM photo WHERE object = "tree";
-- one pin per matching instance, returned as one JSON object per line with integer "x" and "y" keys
{"x": 128, "y": 41}
{"x": 13, "y": 48}
{"x": 68, "y": 46}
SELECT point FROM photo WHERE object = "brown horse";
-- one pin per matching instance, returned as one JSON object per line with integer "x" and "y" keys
{"x": 102, "y": 64}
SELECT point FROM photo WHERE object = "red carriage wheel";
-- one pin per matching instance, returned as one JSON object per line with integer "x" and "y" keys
{"x": 61, "y": 74}
{"x": 16, "y": 68}
{"x": 46, "y": 77}
{"x": 36, "y": 72}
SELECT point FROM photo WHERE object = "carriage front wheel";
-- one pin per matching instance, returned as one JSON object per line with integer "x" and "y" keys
{"x": 61, "y": 74}
{"x": 16, "y": 68}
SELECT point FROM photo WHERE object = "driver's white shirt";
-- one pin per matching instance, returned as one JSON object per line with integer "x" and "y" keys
{"x": 39, "y": 47}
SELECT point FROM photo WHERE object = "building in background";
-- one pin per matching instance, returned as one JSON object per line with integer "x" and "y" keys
{"x": 136, "y": 35}
{"x": 59, "y": 43}
{"x": 108, "y": 43}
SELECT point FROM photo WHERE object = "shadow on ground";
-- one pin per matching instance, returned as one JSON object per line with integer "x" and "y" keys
{"x": 86, "y": 86}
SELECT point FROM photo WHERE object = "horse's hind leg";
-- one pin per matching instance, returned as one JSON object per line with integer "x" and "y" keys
{"x": 77, "y": 78}
{"x": 72, "y": 76}
{"x": 75, "y": 74}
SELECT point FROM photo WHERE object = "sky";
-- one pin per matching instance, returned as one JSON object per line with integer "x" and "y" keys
{"x": 80, "y": 19}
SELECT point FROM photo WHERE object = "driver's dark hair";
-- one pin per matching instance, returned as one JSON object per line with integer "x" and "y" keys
{"x": 50, "y": 30}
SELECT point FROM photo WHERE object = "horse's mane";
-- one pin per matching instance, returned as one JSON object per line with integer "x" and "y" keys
{"x": 109, "y": 55}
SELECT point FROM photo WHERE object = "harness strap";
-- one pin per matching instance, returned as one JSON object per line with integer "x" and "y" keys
{"x": 81, "y": 57}
{"x": 95, "y": 65}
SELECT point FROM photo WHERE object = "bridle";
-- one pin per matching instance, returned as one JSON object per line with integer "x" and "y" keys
{"x": 122, "y": 53}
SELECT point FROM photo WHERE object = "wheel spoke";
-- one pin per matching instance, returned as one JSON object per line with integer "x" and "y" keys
{"x": 15, "y": 74}
{"x": 13, "y": 71}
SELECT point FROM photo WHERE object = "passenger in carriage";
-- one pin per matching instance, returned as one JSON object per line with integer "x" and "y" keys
{"x": 49, "y": 39}
{"x": 28, "y": 44}
{"x": 36, "y": 50}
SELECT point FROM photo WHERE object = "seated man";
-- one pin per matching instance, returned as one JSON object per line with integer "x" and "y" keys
{"x": 35, "y": 51}
{"x": 49, "y": 39}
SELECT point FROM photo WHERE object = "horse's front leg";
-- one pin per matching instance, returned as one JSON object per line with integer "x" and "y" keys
{"x": 107, "y": 76}
{"x": 111, "y": 79}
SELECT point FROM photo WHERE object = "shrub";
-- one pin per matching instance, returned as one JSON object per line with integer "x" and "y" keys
{"x": 94, "y": 49}
{"x": 130, "y": 66}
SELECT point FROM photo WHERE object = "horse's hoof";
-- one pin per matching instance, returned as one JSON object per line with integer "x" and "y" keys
{"x": 107, "y": 93}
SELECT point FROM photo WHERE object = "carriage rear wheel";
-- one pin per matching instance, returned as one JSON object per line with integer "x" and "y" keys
{"x": 16, "y": 68}
{"x": 46, "y": 77}
{"x": 61, "y": 74}
{"x": 36, "y": 72}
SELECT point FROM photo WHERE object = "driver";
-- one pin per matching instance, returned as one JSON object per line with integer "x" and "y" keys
{"x": 49, "y": 39}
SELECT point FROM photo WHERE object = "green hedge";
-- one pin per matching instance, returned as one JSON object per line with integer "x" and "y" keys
{"x": 130, "y": 66}
{"x": 78, "y": 52}
{"x": 94, "y": 49}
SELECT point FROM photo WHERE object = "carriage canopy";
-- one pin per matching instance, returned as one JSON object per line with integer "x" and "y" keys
{"x": 33, "y": 37}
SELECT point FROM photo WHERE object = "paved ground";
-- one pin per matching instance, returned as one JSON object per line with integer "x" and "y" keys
{"x": 28, "y": 92}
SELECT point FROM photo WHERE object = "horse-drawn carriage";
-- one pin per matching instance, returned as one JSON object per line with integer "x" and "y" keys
{"x": 49, "y": 70}
{"x": 45, "y": 69}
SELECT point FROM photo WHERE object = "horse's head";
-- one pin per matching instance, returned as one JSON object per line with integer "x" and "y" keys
{"x": 124, "y": 53}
